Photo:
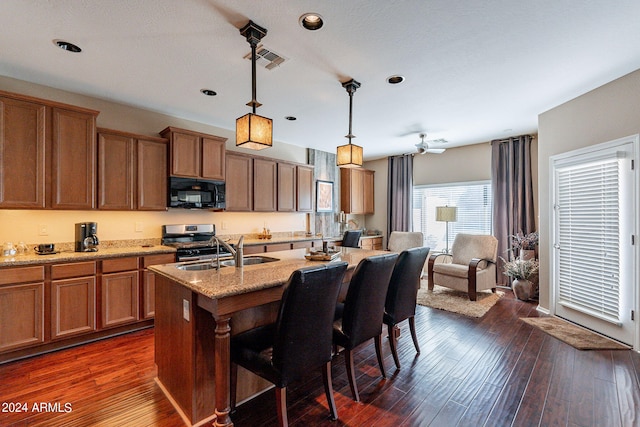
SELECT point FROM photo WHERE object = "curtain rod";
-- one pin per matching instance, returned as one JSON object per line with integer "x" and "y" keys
{"x": 512, "y": 137}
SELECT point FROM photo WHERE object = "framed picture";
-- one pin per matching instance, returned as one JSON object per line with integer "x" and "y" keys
{"x": 324, "y": 196}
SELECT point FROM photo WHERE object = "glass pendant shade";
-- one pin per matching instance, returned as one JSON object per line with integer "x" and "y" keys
{"x": 254, "y": 132}
{"x": 349, "y": 156}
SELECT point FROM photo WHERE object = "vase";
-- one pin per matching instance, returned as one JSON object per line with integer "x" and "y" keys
{"x": 522, "y": 289}
{"x": 527, "y": 254}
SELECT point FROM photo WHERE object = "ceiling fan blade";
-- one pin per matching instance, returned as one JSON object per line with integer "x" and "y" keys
{"x": 434, "y": 150}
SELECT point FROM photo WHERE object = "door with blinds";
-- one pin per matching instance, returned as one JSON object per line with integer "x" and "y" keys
{"x": 594, "y": 260}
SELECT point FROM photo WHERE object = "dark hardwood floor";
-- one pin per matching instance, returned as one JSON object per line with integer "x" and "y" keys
{"x": 493, "y": 371}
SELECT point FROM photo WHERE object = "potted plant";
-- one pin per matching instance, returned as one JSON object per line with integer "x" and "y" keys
{"x": 525, "y": 244}
{"x": 522, "y": 271}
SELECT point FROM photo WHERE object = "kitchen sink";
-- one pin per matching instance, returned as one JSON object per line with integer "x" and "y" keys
{"x": 249, "y": 260}
{"x": 199, "y": 266}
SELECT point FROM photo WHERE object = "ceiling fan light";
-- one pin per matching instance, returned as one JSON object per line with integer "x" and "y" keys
{"x": 254, "y": 132}
{"x": 349, "y": 156}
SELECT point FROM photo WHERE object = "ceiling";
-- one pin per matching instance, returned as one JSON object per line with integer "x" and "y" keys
{"x": 475, "y": 71}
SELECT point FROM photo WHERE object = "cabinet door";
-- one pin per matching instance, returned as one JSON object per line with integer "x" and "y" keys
{"x": 147, "y": 298}
{"x": 73, "y": 162}
{"x": 264, "y": 185}
{"x": 73, "y": 306}
{"x": 185, "y": 155}
{"x": 119, "y": 298}
{"x": 22, "y": 154}
{"x": 152, "y": 175}
{"x": 239, "y": 183}
{"x": 213, "y": 158}
{"x": 21, "y": 315}
{"x": 286, "y": 187}
{"x": 304, "y": 189}
{"x": 367, "y": 191}
{"x": 115, "y": 172}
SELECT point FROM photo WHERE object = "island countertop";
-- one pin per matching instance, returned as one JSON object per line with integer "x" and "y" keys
{"x": 230, "y": 281}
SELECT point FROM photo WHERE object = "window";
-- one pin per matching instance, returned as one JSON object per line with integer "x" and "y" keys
{"x": 473, "y": 200}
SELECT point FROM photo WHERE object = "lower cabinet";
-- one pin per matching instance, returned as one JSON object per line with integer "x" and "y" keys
{"x": 73, "y": 299}
{"x": 372, "y": 243}
{"x": 21, "y": 307}
{"x": 147, "y": 297}
{"x": 119, "y": 298}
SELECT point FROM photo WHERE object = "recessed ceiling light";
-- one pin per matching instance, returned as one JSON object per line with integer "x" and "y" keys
{"x": 311, "y": 21}
{"x": 395, "y": 79}
{"x": 208, "y": 92}
{"x": 69, "y": 47}
{"x": 291, "y": 118}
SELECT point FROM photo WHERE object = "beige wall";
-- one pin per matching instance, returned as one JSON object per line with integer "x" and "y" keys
{"x": 23, "y": 225}
{"x": 604, "y": 114}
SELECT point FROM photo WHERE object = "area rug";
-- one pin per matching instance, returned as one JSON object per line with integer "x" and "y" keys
{"x": 575, "y": 336}
{"x": 457, "y": 302}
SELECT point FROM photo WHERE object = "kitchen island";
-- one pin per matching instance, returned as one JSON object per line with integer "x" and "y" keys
{"x": 197, "y": 312}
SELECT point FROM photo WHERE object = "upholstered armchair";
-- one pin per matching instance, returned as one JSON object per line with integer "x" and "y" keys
{"x": 472, "y": 265}
{"x": 402, "y": 240}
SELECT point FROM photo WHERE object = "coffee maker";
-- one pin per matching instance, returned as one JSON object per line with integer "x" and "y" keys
{"x": 86, "y": 238}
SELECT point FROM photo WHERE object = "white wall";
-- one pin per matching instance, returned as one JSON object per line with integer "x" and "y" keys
{"x": 604, "y": 114}
{"x": 22, "y": 225}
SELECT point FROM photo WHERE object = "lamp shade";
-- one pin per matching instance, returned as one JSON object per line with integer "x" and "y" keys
{"x": 254, "y": 132}
{"x": 349, "y": 156}
{"x": 446, "y": 213}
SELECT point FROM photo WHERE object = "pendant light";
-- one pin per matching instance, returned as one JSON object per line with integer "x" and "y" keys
{"x": 350, "y": 155}
{"x": 253, "y": 131}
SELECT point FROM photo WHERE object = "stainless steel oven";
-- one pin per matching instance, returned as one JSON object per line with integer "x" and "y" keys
{"x": 193, "y": 242}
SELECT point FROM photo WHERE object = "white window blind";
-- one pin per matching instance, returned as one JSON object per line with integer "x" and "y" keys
{"x": 473, "y": 200}
{"x": 588, "y": 237}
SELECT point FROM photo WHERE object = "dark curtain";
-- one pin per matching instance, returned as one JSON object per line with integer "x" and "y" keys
{"x": 399, "y": 193}
{"x": 512, "y": 186}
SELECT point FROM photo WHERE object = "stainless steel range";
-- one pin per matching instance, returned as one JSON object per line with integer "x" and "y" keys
{"x": 193, "y": 241}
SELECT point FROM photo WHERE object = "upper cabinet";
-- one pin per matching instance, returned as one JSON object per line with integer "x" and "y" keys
{"x": 132, "y": 171}
{"x": 356, "y": 191}
{"x": 263, "y": 184}
{"x": 195, "y": 155}
{"x": 47, "y": 154}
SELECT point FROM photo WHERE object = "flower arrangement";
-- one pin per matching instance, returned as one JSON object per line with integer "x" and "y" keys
{"x": 520, "y": 269}
{"x": 524, "y": 241}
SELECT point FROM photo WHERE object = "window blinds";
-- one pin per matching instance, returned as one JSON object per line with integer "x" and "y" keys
{"x": 588, "y": 237}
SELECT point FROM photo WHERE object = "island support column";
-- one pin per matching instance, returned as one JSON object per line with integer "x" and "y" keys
{"x": 222, "y": 372}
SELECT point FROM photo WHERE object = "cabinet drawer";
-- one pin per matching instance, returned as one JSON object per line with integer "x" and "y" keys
{"x": 77, "y": 269}
{"x": 301, "y": 245}
{"x": 275, "y": 247}
{"x": 158, "y": 259}
{"x": 22, "y": 275}
{"x": 119, "y": 264}
{"x": 254, "y": 249}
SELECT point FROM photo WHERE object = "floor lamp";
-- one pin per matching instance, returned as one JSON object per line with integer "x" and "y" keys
{"x": 447, "y": 214}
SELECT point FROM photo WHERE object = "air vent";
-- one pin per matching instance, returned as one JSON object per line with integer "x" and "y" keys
{"x": 266, "y": 58}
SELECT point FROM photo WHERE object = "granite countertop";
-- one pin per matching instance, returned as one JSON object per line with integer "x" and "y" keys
{"x": 68, "y": 255}
{"x": 229, "y": 281}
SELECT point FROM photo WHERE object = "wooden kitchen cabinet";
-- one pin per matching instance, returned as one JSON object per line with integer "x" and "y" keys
{"x": 47, "y": 154}
{"x": 21, "y": 307}
{"x": 22, "y": 154}
{"x": 304, "y": 188}
{"x": 73, "y": 299}
{"x": 147, "y": 296}
{"x": 356, "y": 191}
{"x": 120, "y": 291}
{"x": 239, "y": 182}
{"x": 73, "y": 159}
{"x": 264, "y": 185}
{"x": 371, "y": 243}
{"x": 195, "y": 155}
{"x": 132, "y": 171}
{"x": 287, "y": 180}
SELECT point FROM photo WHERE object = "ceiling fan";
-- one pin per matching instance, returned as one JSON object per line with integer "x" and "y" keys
{"x": 424, "y": 146}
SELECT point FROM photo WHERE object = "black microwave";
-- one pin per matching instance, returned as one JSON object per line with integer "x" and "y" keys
{"x": 190, "y": 193}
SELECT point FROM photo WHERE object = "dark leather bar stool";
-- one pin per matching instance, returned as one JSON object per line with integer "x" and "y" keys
{"x": 360, "y": 317}
{"x": 299, "y": 341}
{"x": 351, "y": 238}
{"x": 402, "y": 294}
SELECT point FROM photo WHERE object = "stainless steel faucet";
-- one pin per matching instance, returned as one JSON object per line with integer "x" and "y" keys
{"x": 238, "y": 252}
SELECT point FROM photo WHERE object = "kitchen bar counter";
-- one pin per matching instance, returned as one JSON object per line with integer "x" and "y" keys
{"x": 197, "y": 312}
{"x": 32, "y": 258}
